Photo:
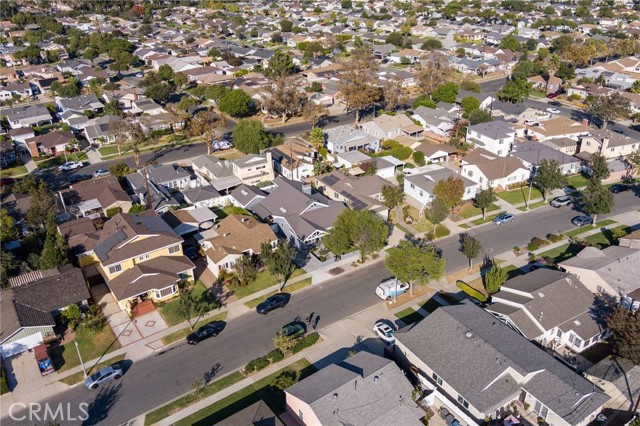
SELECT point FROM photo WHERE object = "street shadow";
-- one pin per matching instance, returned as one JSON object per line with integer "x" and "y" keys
{"x": 99, "y": 408}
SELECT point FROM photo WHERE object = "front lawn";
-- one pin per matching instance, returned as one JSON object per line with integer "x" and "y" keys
{"x": 485, "y": 220}
{"x": 409, "y": 316}
{"x": 561, "y": 253}
{"x": 91, "y": 346}
{"x": 430, "y": 305}
{"x": 533, "y": 206}
{"x": 588, "y": 228}
{"x": 609, "y": 236}
{"x": 469, "y": 210}
{"x": 577, "y": 181}
{"x": 60, "y": 160}
{"x": 112, "y": 149}
{"x": 170, "y": 310}
{"x": 227, "y": 210}
{"x": 13, "y": 171}
{"x": 181, "y": 334}
{"x": 264, "y": 279}
{"x": 520, "y": 195}
{"x": 260, "y": 390}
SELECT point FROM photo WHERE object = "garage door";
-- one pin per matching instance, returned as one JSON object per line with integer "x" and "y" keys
{"x": 21, "y": 345}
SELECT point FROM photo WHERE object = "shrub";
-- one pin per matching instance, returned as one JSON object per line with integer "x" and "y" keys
{"x": 554, "y": 238}
{"x": 471, "y": 291}
{"x": 275, "y": 356}
{"x": 285, "y": 379}
{"x": 305, "y": 342}
{"x": 256, "y": 364}
{"x": 418, "y": 158}
{"x": 113, "y": 211}
{"x": 536, "y": 243}
{"x": 575, "y": 97}
{"x": 516, "y": 250}
{"x": 4, "y": 386}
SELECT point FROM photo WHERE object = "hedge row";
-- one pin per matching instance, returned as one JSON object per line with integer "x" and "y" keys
{"x": 305, "y": 342}
{"x": 4, "y": 386}
{"x": 257, "y": 364}
{"x": 471, "y": 291}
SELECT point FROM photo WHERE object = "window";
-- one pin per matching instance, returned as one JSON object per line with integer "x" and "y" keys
{"x": 612, "y": 149}
{"x": 165, "y": 292}
{"x": 470, "y": 173}
{"x": 599, "y": 289}
{"x": 463, "y": 402}
{"x": 540, "y": 410}
{"x": 577, "y": 342}
{"x": 421, "y": 192}
{"x": 115, "y": 268}
{"x": 261, "y": 167}
{"x": 143, "y": 257}
{"x": 413, "y": 186}
{"x": 559, "y": 333}
{"x": 300, "y": 414}
{"x": 174, "y": 249}
{"x": 437, "y": 379}
{"x": 500, "y": 142}
{"x": 500, "y": 152}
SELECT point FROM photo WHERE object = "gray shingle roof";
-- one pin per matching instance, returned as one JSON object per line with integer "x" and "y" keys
{"x": 493, "y": 129}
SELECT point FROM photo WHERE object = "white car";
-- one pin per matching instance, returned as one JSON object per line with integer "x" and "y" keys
{"x": 553, "y": 110}
{"x": 139, "y": 75}
{"x": 384, "y": 332}
{"x": 70, "y": 165}
{"x": 100, "y": 173}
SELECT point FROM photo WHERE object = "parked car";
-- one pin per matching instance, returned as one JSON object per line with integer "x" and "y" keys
{"x": 619, "y": 131}
{"x": 70, "y": 165}
{"x": 390, "y": 287}
{"x": 6, "y": 181}
{"x": 78, "y": 178}
{"x": 619, "y": 187}
{"x": 295, "y": 329}
{"x": 553, "y": 95}
{"x": 279, "y": 300}
{"x": 100, "y": 173}
{"x": 553, "y": 110}
{"x": 504, "y": 218}
{"x": 42, "y": 358}
{"x": 555, "y": 103}
{"x": 107, "y": 374}
{"x": 564, "y": 200}
{"x": 582, "y": 220}
{"x": 384, "y": 331}
{"x": 208, "y": 330}
{"x": 139, "y": 75}
{"x": 190, "y": 251}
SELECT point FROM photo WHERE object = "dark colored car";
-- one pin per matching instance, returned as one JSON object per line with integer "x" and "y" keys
{"x": 582, "y": 220}
{"x": 208, "y": 330}
{"x": 7, "y": 181}
{"x": 276, "y": 301}
{"x": 295, "y": 329}
{"x": 619, "y": 187}
{"x": 564, "y": 200}
{"x": 190, "y": 251}
{"x": 555, "y": 103}
{"x": 78, "y": 178}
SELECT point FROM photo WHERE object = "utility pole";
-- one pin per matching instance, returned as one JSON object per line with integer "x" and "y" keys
{"x": 80, "y": 357}
{"x": 146, "y": 183}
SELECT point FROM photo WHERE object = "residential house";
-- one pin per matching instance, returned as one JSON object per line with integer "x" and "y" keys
{"x": 438, "y": 120}
{"x": 251, "y": 169}
{"x": 140, "y": 257}
{"x": 559, "y": 127}
{"x": 420, "y": 182}
{"x": 80, "y": 104}
{"x": 146, "y": 106}
{"x": 518, "y": 112}
{"x": 156, "y": 195}
{"x": 233, "y": 237}
{"x": 7, "y": 153}
{"x": 20, "y": 136}
{"x": 21, "y": 90}
{"x": 437, "y": 153}
{"x": 495, "y": 367}
{"x": 301, "y": 213}
{"x": 359, "y": 193}
{"x": 254, "y": 169}
{"x": 246, "y": 196}
{"x": 567, "y": 146}
{"x": 497, "y": 137}
{"x": 32, "y": 115}
{"x": 621, "y": 374}
{"x": 102, "y": 130}
{"x": 170, "y": 176}
{"x": 387, "y": 166}
{"x": 485, "y": 100}
{"x": 549, "y": 307}
{"x": 532, "y": 153}
{"x": 631, "y": 240}
{"x": 28, "y": 305}
{"x": 93, "y": 198}
{"x": 613, "y": 270}
{"x": 350, "y": 159}
{"x": 53, "y": 143}
{"x": 610, "y": 144}
{"x": 546, "y": 83}
{"x": 190, "y": 220}
{"x": 349, "y": 138}
{"x": 257, "y": 414}
{"x": 203, "y": 196}
{"x": 387, "y": 126}
{"x": 412, "y": 55}
{"x": 364, "y": 389}
{"x": 493, "y": 171}
{"x": 294, "y": 158}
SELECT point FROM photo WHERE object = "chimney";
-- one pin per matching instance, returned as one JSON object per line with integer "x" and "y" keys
{"x": 585, "y": 122}
{"x": 306, "y": 188}
{"x": 605, "y": 145}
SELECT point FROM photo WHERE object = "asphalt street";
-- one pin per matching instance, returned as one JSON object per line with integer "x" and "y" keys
{"x": 170, "y": 373}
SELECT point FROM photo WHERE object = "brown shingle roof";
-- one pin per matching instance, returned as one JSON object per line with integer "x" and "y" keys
{"x": 492, "y": 166}
{"x": 237, "y": 234}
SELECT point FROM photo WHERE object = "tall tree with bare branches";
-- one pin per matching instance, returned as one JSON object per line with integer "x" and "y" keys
{"x": 393, "y": 92}
{"x": 207, "y": 124}
{"x": 285, "y": 98}
{"x": 434, "y": 70}
{"x": 358, "y": 81}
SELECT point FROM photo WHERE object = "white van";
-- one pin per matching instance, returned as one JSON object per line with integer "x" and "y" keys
{"x": 391, "y": 287}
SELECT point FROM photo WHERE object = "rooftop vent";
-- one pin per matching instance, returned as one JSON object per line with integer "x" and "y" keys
{"x": 334, "y": 396}
{"x": 376, "y": 379}
{"x": 469, "y": 334}
{"x": 540, "y": 294}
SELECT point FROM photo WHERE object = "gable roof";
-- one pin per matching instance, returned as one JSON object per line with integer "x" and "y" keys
{"x": 493, "y": 129}
{"x": 237, "y": 234}
{"x": 106, "y": 190}
{"x": 535, "y": 152}
{"x": 492, "y": 166}
{"x": 431, "y": 175}
{"x": 14, "y": 315}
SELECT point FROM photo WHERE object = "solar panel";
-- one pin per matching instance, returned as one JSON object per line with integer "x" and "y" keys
{"x": 331, "y": 179}
{"x": 359, "y": 205}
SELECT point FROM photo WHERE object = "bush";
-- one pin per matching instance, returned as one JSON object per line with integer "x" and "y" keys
{"x": 275, "y": 356}
{"x": 305, "y": 342}
{"x": 575, "y": 97}
{"x": 554, "y": 238}
{"x": 4, "y": 386}
{"x": 471, "y": 291}
{"x": 113, "y": 211}
{"x": 285, "y": 379}
{"x": 256, "y": 364}
{"x": 418, "y": 158}
{"x": 536, "y": 243}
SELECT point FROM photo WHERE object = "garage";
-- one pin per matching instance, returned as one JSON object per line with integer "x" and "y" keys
{"x": 23, "y": 344}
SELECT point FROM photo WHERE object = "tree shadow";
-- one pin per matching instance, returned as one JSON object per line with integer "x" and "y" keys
{"x": 212, "y": 373}
{"x": 602, "y": 307}
{"x": 99, "y": 408}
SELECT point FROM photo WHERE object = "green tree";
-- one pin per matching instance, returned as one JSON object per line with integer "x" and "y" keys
{"x": 484, "y": 199}
{"x": 624, "y": 327}
{"x": 55, "y": 252}
{"x": 90, "y": 54}
{"x": 42, "y": 204}
{"x": 392, "y": 196}
{"x": 470, "y": 86}
{"x": 495, "y": 277}
{"x": 470, "y": 247}
{"x": 244, "y": 271}
{"x": 419, "y": 158}
{"x": 510, "y": 42}
{"x": 280, "y": 65}
{"x": 137, "y": 208}
{"x": 358, "y": 82}
{"x": 191, "y": 306}
{"x": 548, "y": 177}
{"x": 180, "y": 79}
{"x": 286, "y": 379}
{"x": 120, "y": 169}
{"x": 413, "y": 262}
{"x": 394, "y": 38}
{"x": 596, "y": 199}
{"x": 635, "y": 87}
{"x": 7, "y": 224}
{"x": 113, "y": 211}
{"x": 515, "y": 90}
{"x": 425, "y": 101}
{"x": 316, "y": 137}
{"x": 286, "y": 25}
{"x": 279, "y": 260}
{"x": 236, "y": 103}
{"x": 436, "y": 213}
{"x": 284, "y": 343}
{"x": 610, "y": 107}
{"x": 346, "y": 4}
{"x": 480, "y": 115}
{"x": 215, "y": 92}
{"x": 431, "y": 44}
{"x": 469, "y": 104}
{"x": 165, "y": 72}
{"x": 250, "y": 137}
{"x": 360, "y": 229}
{"x": 450, "y": 191}
{"x": 446, "y": 92}
{"x": 7, "y": 267}
{"x": 599, "y": 167}
{"x": 72, "y": 315}
{"x": 159, "y": 92}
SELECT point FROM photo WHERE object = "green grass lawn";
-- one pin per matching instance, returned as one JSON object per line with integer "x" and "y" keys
{"x": 584, "y": 229}
{"x": 520, "y": 195}
{"x": 408, "y": 316}
{"x": 58, "y": 161}
{"x": 419, "y": 223}
{"x": 79, "y": 376}
{"x": 112, "y": 149}
{"x": 181, "y": 334}
{"x": 485, "y": 220}
{"x": 469, "y": 210}
{"x": 260, "y": 390}
{"x": 430, "y": 305}
{"x": 170, "y": 310}
{"x": 289, "y": 289}
{"x": 561, "y": 253}
{"x": 533, "y": 206}
{"x": 13, "y": 171}
{"x": 91, "y": 346}
{"x": 263, "y": 280}
{"x": 227, "y": 210}
{"x": 173, "y": 407}
{"x": 609, "y": 236}
{"x": 577, "y": 181}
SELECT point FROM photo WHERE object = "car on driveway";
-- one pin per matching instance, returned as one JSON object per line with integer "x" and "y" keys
{"x": 504, "y": 218}
{"x": 384, "y": 331}
{"x": 208, "y": 330}
{"x": 582, "y": 220}
{"x": 564, "y": 200}
{"x": 70, "y": 165}
{"x": 100, "y": 173}
{"x": 78, "y": 178}
{"x": 7, "y": 181}
{"x": 107, "y": 374}
{"x": 278, "y": 300}
{"x": 619, "y": 187}
{"x": 190, "y": 251}
{"x": 293, "y": 329}
{"x": 553, "y": 110}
